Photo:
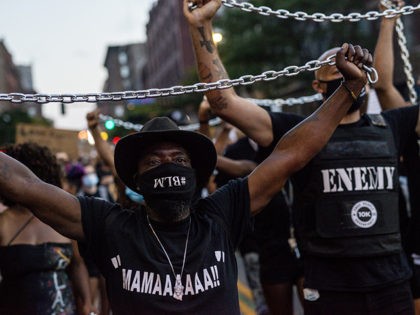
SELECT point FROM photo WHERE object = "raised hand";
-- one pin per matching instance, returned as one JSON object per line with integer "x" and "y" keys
{"x": 199, "y": 11}
{"x": 92, "y": 119}
{"x": 350, "y": 61}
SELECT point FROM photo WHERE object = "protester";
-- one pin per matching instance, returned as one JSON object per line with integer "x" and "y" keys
{"x": 125, "y": 196}
{"x": 91, "y": 186}
{"x": 237, "y": 161}
{"x": 391, "y": 98}
{"x": 171, "y": 258}
{"x": 72, "y": 178}
{"x": 34, "y": 259}
{"x": 346, "y": 199}
{"x": 270, "y": 251}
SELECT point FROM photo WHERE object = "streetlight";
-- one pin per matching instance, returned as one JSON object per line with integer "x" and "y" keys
{"x": 217, "y": 37}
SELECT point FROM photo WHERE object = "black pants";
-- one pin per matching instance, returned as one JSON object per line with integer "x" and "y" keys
{"x": 393, "y": 300}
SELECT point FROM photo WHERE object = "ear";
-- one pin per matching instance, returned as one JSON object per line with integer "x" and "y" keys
{"x": 316, "y": 85}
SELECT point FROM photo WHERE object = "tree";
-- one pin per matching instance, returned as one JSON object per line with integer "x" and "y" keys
{"x": 9, "y": 119}
{"x": 254, "y": 43}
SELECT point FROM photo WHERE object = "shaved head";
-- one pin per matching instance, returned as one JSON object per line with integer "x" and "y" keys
{"x": 328, "y": 53}
{"x": 319, "y": 74}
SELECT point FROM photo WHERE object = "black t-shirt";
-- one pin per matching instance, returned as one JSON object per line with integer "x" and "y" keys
{"x": 138, "y": 276}
{"x": 355, "y": 274}
{"x": 240, "y": 150}
{"x": 411, "y": 156}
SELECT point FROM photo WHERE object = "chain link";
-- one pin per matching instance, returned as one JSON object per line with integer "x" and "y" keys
{"x": 137, "y": 127}
{"x": 405, "y": 55}
{"x": 274, "y": 105}
{"x": 320, "y": 17}
{"x": 289, "y": 71}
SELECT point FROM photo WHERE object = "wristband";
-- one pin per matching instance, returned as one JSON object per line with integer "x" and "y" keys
{"x": 353, "y": 96}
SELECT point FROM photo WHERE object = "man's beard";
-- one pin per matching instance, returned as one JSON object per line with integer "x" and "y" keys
{"x": 169, "y": 211}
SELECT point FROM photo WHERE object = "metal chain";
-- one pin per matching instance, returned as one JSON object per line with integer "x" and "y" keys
{"x": 248, "y": 79}
{"x": 120, "y": 123}
{"x": 274, "y": 105}
{"x": 137, "y": 127}
{"x": 405, "y": 55}
{"x": 277, "y": 104}
{"x": 320, "y": 17}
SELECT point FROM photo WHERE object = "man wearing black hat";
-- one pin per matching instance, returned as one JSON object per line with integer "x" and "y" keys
{"x": 173, "y": 258}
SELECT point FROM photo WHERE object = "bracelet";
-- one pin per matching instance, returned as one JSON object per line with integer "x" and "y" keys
{"x": 203, "y": 122}
{"x": 353, "y": 96}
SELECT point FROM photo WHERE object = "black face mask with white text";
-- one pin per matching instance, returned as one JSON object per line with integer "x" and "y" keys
{"x": 334, "y": 85}
{"x": 168, "y": 190}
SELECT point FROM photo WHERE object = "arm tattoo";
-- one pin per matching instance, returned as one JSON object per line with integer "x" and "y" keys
{"x": 204, "y": 72}
{"x": 206, "y": 43}
{"x": 220, "y": 103}
{"x": 221, "y": 72}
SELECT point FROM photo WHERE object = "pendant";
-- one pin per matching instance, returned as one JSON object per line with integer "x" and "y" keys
{"x": 178, "y": 288}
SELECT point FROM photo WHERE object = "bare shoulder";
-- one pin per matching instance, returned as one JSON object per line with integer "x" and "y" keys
{"x": 4, "y": 224}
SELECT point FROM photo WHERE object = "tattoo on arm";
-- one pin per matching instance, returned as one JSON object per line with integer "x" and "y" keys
{"x": 205, "y": 42}
{"x": 204, "y": 72}
{"x": 221, "y": 72}
{"x": 206, "y": 75}
{"x": 220, "y": 103}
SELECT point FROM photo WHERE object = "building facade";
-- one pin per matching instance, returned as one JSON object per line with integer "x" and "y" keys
{"x": 169, "y": 46}
{"x": 125, "y": 66}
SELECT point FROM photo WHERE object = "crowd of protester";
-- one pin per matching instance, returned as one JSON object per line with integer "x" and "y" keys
{"x": 152, "y": 225}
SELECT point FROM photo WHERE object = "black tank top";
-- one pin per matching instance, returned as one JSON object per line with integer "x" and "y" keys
{"x": 35, "y": 279}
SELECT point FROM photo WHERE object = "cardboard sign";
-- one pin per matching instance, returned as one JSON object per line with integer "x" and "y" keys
{"x": 57, "y": 140}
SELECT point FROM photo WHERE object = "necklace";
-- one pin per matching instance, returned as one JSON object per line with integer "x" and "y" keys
{"x": 178, "y": 287}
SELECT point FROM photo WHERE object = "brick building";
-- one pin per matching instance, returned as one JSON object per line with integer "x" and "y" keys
{"x": 125, "y": 73}
{"x": 169, "y": 47}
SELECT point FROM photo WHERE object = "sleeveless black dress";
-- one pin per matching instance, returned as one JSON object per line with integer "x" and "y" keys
{"x": 34, "y": 279}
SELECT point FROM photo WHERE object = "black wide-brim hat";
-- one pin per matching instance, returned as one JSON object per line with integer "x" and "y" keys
{"x": 130, "y": 148}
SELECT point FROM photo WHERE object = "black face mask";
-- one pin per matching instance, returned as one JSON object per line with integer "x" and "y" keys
{"x": 334, "y": 85}
{"x": 168, "y": 190}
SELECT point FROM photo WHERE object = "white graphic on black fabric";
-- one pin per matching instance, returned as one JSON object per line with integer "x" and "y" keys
{"x": 169, "y": 181}
{"x": 178, "y": 288}
{"x": 220, "y": 255}
{"x": 364, "y": 214}
{"x": 215, "y": 273}
{"x": 152, "y": 283}
{"x": 116, "y": 261}
{"x": 358, "y": 178}
{"x": 58, "y": 300}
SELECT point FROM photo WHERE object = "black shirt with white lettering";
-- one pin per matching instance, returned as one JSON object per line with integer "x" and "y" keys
{"x": 351, "y": 274}
{"x": 138, "y": 275}
{"x": 411, "y": 156}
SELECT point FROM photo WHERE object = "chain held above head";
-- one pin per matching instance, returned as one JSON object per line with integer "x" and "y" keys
{"x": 316, "y": 17}
{"x": 176, "y": 90}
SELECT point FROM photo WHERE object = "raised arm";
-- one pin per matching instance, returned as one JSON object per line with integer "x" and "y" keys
{"x": 103, "y": 148}
{"x": 49, "y": 203}
{"x": 302, "y": 143}
{"x": 238, "y": 111}
{"x": 204, "y": 117}
{"x": 388, "y": 95}
{"x": 235, "y": 168}
{"x": 80, "y": 279}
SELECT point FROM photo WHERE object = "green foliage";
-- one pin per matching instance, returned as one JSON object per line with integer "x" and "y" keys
{"x": 254, "y": 43}
{"x": 9, "y": 119}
